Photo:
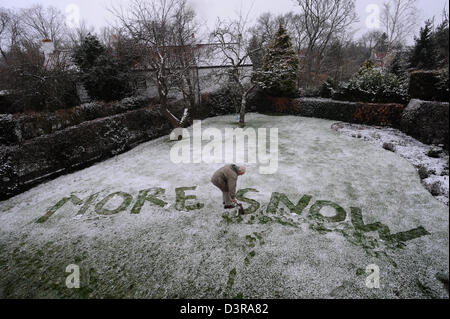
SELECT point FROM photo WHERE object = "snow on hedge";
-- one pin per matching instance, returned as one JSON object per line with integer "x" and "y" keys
{"x": 335, "y": 206}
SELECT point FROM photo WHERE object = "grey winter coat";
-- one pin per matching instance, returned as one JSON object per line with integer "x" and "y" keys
{"x": 225, "y": 178}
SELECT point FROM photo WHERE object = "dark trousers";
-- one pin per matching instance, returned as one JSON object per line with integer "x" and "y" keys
{"x": 227, "y": 200}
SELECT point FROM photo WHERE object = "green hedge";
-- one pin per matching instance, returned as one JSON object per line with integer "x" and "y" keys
{"x": 382, "y": 114}
{"x": 429, "y": 85}
{"x": 31, "y": 162}
{"x": 15, "y": 128}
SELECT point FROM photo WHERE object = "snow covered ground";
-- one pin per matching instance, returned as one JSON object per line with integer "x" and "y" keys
{"x": 434, "y": 169}
{"x": 358, "y": 206}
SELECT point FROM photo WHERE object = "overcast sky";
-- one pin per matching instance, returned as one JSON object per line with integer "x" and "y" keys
{"x": 94, "y": 11}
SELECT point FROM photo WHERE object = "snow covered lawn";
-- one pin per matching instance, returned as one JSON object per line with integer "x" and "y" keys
{"x": 434, "y": 169}
{"x": 335, "y": 206}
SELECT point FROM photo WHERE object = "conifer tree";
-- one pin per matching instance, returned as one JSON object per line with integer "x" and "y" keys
{"x": 424, "y": 53}
{"x": 382, "y": 44}
{"x": 280, "y": 65}
{"x": 441, "y": 37}
{"x": 103, "y": 77}
{"x": 398, "y": 65}
{"x": 88, "y": 52}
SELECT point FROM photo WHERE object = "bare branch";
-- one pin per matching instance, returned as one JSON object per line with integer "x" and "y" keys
{"x": 399, "y": 18}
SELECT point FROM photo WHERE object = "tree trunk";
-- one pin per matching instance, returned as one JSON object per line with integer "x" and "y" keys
{"x": 189, "y": 91}
{"x": 173, "y": 121}
{"x": 242, "y": 115}
{"x": 243, "y": 106}
{"x": 176, "y": 123}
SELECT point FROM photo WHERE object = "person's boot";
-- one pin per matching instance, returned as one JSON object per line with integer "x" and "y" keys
{"x": 230, "y": 206}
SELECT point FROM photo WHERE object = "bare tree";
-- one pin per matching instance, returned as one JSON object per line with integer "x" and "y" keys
{"x": 77, "y": 34}
{"x": 295, "y": 24}
{"x": 261, "y": 34}
{"x": 185, "y": 30}
{"x": 267, "y": 25}
{"x": 36, "y": 81}
{"x": 399, "y": 19}
{"x": 232, "y": 39}
{"x": 5, "y": 20}
{"x": 445, "y": 14}
{"x": 323, "y": 20}
{"x": 11, "y": 31}
{"x": 370, "y": 39}
{"x": 44, "y": 23}
{"x": 153, "y": 26}
{"x": 344, "y": 56}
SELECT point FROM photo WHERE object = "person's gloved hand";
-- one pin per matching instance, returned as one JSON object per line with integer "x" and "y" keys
{"x": 234, "y": 200}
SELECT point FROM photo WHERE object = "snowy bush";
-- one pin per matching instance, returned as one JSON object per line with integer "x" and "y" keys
{"x": 325, "y": 108}
{"x": 88, "y": 107}
{"x": 381, "y": 114}
{"x": 130, "y": 103}
{"x": 93, "y": 110}
{"x": 36, "y": 88}
{"x": 373, "y": 85}
{"x": 89, "y": 111}
{"x": 328, "y": 88}
{"x": 30, "y": 125}
{"x": 134, "y": 102}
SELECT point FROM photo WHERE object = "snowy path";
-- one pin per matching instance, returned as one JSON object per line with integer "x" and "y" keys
{"x": 382, "y": 215}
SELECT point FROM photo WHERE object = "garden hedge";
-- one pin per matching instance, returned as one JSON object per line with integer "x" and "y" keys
{"x": 382, "y": 114}
{"x": 429, "y": 85}
{"x": 48, "y": 156}
{"x": 19, "y": 127}
{"x": 427, "y": 121}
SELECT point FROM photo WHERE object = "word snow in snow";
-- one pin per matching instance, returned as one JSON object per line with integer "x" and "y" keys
{"x": 274, "y": 213}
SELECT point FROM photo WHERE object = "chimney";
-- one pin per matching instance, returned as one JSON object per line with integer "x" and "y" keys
{"x": 47, "y": 47}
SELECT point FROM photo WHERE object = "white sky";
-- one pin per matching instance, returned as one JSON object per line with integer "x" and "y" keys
{"x": 94, "y": 11}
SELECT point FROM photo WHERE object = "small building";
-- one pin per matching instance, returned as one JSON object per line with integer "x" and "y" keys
{"x": 208, "y": 70}
{"x": 208, "y": 67}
